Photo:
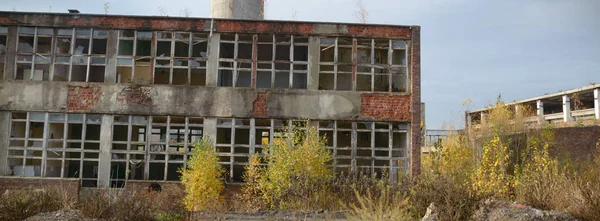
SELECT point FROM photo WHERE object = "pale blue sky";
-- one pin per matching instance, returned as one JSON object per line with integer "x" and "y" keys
{"x": 470, "y": 48}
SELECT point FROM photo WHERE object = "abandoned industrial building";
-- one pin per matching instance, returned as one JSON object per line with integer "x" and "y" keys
{"x": 105, "y": 99}
{"x": 570, "y": 106}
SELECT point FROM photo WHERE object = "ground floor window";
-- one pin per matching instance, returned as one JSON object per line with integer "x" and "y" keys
{"x": 137, "y": 147}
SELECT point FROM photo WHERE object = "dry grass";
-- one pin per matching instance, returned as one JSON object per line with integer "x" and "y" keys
{"x": 20, "y": 204}
{"x": 132, "y": 205}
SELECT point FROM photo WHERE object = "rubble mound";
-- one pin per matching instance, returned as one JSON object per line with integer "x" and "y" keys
{"x": 492, "y": 210}
{"x": 68, "y": 215}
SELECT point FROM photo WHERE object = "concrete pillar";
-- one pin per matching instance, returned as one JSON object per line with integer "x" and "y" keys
{"x": 540, "y": 110}
{"x": 237, "y": 9}
{"x": 566, "y": 103}
{"x": 105, "y": 147}
{"x": 213, "y": 58}
{"x": 469, "y": 120}
{"x": 10, "y": 53}
{"x": 313, "y": 63}
{"x": 110, "y": 73}
{"x": 597, "y": 102}
{"x": 483, "y": 120}
{"x": 4, "y": 142}
{"x": 210, "y": 129}
{"x": 353, "y": 144}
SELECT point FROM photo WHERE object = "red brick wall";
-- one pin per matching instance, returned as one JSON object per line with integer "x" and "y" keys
{"x": 385, "y": 106}
{"x": 415, "y": 82}
{"x": 177, "y": 188}
{"x": 260, "y": 104}
{"x": 17, "y": 183}
{"x": 82, "y": 98}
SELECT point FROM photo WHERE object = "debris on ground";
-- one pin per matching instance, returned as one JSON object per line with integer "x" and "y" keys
{"x": 492, "y": 210}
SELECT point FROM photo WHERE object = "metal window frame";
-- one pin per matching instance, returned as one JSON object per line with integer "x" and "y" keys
{"x": 63, "y": 149}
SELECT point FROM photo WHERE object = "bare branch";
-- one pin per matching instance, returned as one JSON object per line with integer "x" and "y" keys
{"x": 361, "y": 13}
{"x": 186, "y": 12}
{"x": 162, "y": 11}
{"x": 106, "y": 7}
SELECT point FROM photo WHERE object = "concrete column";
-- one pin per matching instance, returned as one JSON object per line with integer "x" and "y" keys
{"x": 4, "y": 142}
{"x": 210, "y": 129}
{"x": 353, "y": 144}
{"x": 213, "y": 60}
{"x": 597, "y": 102}
{"x": 313, "y": 63}
{"x": 540, "y": 110}
{"x": 11, "y": 52}
{"x": 469, "y": 120}
{"x": 110, "y": 73}
{"x": 566, "y": 101}
{"x": 482, "y": 114}
{"x": 105, "y": 147}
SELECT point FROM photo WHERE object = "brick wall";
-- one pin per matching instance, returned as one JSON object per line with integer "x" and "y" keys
{"x": 260, "y": 104}
{"x": 415, "y": 82}
{"x": 577, "y": 142}
{"x": 385, "y": 106}
{"x": 82, "y": 98}
{"x": 17, "y": 183}
{"x": 177, "y": 189}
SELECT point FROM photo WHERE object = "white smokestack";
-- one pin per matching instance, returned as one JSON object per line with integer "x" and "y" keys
{"x": 238, "y": 9}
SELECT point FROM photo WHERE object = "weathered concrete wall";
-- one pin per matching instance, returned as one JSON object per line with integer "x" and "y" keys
{"x": 202, "y": 101}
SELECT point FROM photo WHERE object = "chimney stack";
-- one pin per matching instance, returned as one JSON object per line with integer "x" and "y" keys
{"x": 238, "y": 9}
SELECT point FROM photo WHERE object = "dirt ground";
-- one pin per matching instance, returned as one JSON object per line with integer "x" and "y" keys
{"x": 73, "y": 215}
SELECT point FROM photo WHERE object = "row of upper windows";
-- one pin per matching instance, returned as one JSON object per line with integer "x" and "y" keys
{"x": 180, "y": 58}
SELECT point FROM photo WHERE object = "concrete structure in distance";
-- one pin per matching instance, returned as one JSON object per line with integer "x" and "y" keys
{"x": 579, "y": 104}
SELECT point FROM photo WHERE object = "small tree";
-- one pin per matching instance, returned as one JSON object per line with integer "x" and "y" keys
{"x": 296, "y": 162}
{"x": 203, "y": 178}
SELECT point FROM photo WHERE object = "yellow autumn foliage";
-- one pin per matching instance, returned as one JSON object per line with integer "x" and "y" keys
{"x": 202, "y": 178}
{"x": 298, "y": 156}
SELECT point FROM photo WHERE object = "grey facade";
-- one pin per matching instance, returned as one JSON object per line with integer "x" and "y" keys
{"x": 114, "y": 98}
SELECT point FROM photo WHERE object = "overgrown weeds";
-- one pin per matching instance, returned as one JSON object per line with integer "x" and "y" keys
{"x": 20, "y": 204}
{"x": 131, "y": 205}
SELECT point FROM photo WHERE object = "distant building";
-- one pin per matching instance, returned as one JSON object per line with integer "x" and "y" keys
{"x": 579, "y": 104}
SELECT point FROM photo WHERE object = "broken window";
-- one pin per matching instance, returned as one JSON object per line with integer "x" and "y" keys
{"x": 46, "y": 139}
{"x": 180, "y": 58}
{"x": 99, "y": 42}
{"x": 169, "y": 140}
{"x": 374, "y": 144}
{"x": 79, "y": 54}
{"x": 235, "y": 60}
{"x": 282, "y": 61}
{"x": 265, "y": 52}
{"x": 233, "y": 146}
{"x": 381, "y": 64}
{"x": 335, "y": 66}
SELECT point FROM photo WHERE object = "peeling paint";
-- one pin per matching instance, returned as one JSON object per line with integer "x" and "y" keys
{"x": 136, "y": 95}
